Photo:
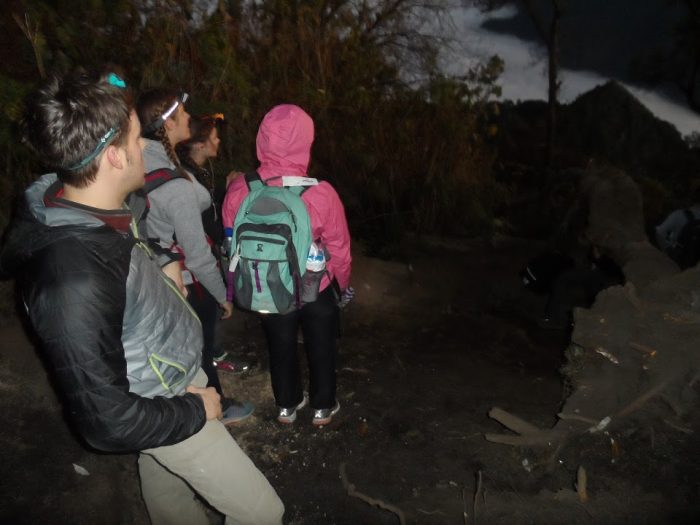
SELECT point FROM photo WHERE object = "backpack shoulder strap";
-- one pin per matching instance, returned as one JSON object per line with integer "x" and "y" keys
{"x": 298, "y": 190}
{"x": 156, "y": 178}
{"x": 253, "y": 181}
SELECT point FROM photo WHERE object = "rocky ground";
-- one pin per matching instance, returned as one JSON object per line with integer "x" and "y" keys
{"x": 427, "y": 349}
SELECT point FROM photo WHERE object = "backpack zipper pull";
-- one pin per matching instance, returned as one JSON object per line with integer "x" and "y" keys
{"x": 258, "y": 287}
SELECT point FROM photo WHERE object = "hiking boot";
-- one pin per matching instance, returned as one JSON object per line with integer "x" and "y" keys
{"x": 289, "y": 415}
{"x": 227, "y": 363}
{"x": 323, "y": 416}
{"x": 235, "y": 412}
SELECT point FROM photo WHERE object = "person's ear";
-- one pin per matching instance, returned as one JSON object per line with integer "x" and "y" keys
{"x": 113, "y": 157}
{"x": 170, "y": 124}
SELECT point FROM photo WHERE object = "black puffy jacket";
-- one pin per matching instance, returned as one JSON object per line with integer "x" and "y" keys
{"x": 119, "y": 340}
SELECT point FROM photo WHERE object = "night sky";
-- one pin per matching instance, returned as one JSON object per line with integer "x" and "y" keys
{"x": 600, "y": 40}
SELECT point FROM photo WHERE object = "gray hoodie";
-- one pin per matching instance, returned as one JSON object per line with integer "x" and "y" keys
{"x": 175, "y": 213}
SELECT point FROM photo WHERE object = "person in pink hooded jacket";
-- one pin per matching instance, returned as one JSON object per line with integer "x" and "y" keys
{"x": 283, "y": 145}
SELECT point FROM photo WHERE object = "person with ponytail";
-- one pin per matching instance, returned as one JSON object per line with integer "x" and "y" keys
{"x": 177, "y": 200}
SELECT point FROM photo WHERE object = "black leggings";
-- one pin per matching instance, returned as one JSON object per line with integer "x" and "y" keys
{"x": 208, "y": 311}
{"x": 319, "y": 324}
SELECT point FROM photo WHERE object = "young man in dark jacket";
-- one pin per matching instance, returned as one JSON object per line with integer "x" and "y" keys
{"x": 119, "y": 337}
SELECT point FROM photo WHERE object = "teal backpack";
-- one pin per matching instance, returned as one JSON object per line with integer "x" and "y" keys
{"x": 271, "y": 240}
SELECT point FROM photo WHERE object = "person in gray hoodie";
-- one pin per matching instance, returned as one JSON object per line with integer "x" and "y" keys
{"x": 120, "y": 341}
{"x": 177, "y": 201}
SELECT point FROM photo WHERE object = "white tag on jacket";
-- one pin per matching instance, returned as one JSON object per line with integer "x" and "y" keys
{"x": 234, "y": 262}
{"x": 187, "y": 277}
{"x": 288, "y": 180}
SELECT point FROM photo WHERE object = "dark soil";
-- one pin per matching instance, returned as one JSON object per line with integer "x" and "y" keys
{"x": 427, "y": 349}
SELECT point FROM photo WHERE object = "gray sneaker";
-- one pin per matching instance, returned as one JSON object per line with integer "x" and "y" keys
{"x": 236, "y": 412}
{"x": 323, "y": 416}
{"x": 289, "y": 415}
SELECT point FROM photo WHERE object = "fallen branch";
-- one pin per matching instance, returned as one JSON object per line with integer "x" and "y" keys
{"x": 576, "y": 417}
{"x": 643, "y": 348}
{"x": 512, "y": 422}
{"x": 685, "y": 430}
{"x": 350, "y": 489}
{"x": 465, "y": 514}
{"x": 543, "y": 437}
{"x": 581, "y": 484}
{"x": 641, "y": 400}
{"x": 431, "y": 512}
{"x": 478, "y": 493}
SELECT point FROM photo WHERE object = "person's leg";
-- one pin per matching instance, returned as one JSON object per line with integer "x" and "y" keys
{"x": 169, "y": 500}
{"x": 319, "y": 321}
{"x": 213, "y": 464}
{"x": 281, "y": 333}
{"x": 207, "y": 309}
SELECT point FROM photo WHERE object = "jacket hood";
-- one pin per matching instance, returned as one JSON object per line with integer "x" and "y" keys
{"x": 37, "y": 226}
{"x": 284, "y": 142}
{"x": 155, "y": 157}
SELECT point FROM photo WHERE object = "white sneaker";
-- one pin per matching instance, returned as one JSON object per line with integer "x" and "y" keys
{"x": 323, "y": 416}
{"x": 289, "y": 415}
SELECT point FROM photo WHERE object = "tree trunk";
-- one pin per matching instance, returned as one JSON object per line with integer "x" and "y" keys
{"x": 553, "y": 75}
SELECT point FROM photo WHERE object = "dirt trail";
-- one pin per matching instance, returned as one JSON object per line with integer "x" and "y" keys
{"x": 428, "y": 347}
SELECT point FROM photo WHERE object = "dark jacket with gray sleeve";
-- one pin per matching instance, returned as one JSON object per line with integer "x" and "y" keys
{"x": 120, "y": 340}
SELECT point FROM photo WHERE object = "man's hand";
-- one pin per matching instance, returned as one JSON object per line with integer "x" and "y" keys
{"x": 211, "y": 399}
{"x": 173, "y": 271}
{"x": 227, "y": 307}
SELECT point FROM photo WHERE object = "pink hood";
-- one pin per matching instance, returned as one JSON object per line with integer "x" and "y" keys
{"x": 284, "y": 148}
{"x": 284, "y": 142}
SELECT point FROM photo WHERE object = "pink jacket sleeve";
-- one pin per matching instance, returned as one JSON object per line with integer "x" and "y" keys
{"x": 329, "y": 224}
{"x": 235, "y": 193}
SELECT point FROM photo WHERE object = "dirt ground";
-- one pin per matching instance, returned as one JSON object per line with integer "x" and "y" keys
{"x": 427, "y": 349}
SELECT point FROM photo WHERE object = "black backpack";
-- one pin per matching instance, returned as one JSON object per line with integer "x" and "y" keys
{"x": 686, "y": 251}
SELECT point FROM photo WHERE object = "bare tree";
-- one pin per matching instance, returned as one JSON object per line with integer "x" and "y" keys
{"x": 549, "y": 33}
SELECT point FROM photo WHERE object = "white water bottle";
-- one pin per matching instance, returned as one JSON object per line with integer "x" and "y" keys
{"x": 228, "y": 240}
{"x": 316, "y": 260}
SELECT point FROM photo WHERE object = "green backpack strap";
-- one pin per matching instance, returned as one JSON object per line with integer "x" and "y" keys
{"x": 253, "y": 181}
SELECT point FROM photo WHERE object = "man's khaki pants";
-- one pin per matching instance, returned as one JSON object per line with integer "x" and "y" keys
{"x": 212, "y": 465}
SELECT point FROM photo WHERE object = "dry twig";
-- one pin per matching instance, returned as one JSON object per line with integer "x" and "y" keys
{"x": 643, "y": 349}
{"x": 350, "y": 488}
{"x": 581, "y": 484}
{"x": 641, "y": 400}
{"x": 465, "y": 514}
{"x": 34, "y": 36}
{"x": 680, "y": 428}
{"x": 576, "y": 417}
{"x": 478, "y": 493}
{"x": 512, "y": 422}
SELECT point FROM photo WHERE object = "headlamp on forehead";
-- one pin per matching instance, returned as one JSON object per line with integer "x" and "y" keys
{"x": 102, "y": 143}
{"x": 160, "y": 121}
